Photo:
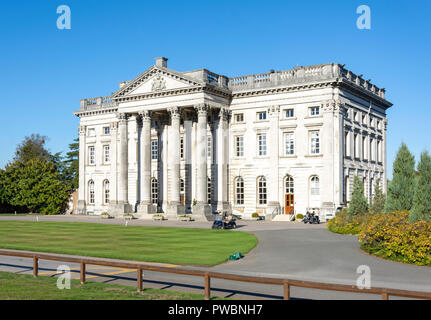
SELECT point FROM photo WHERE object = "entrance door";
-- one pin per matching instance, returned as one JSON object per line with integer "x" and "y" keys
{"x": 289, "y": 197}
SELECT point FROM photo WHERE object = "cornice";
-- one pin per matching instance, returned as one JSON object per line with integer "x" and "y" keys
{"x": 87, "y": 113}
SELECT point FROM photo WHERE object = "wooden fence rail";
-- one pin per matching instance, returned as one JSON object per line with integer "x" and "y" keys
{"x": 385, "y": 293}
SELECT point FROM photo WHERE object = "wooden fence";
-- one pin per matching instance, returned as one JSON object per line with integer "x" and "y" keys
{"x": 385, "y": 293}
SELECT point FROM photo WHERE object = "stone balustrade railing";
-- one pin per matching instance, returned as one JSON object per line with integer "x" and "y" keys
{"x": 97, "y": 103}
{"x": 301, "y": 75}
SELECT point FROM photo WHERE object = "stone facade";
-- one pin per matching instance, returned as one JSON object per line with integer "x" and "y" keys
{"x": 195, "y": 142}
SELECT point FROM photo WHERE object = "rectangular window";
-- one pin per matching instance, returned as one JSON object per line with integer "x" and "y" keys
{"x": 91, "y": 155}
{"x": 314, "y": 142}
{"x": 379, "y": 151}
{"x": 209, "y": 146}
{"x": 261, "y": 115}
{"x": 364, "y": 148}
{"x": 154, "y": 149}
{"x": 356, "y": 145}
{"x": 106, "y": 155}
{"x": 239, "y": 146}
{"x": 106, "y": 130}
{"x": 261, "y": 143}
{"x": 182, "y": 148}
{"x": 346, "y": 144}
{"x": 372, "y": 151}
{"x": 290, "y": 113}
{"x": 239, "y": 117}
{"x": 314, "y": 111}
{"x": 289, "y": 141}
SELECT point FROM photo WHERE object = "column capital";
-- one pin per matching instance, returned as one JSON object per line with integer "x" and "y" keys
{"x": 145, "y": 115}
{"x": 332, "y": 106}
{"x": 113, "y": 126}
{"x": 175, "y": 112}
{"x": 274, "y": 110}
{"x": 202, "y": 109}
{"x": 82, "y": 130}
{"x": 122, "y": 117}
{"x": 224, "y": 113}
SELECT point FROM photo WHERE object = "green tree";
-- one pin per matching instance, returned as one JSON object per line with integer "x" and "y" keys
{"x": 421, "y": 209}
{"x": 379, "y": 199}
{"x": 71, "y": 163}
{"x": 32, "y": 147}
{"x": 402, "y": 187}
{"x": 35, "y": 185}
{"x": 358, "y": 203}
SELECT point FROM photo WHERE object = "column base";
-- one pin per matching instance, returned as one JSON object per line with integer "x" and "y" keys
{"x": 202, "y": 212}
{"x": 145, "y": 210}
{"x": 224, "y": 206}
{"x": 81, "y": 207}
{"x": 118, "y": 209}
{"x": 174, "y": 209}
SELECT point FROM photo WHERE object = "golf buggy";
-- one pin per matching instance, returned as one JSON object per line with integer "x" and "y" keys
{"x": 224, "y": 221}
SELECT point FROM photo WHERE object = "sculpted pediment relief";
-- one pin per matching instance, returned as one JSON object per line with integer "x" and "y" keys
{"x": 155, "y": 80}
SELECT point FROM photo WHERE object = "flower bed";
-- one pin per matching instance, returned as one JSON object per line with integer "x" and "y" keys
{"x": 345, "y": 223}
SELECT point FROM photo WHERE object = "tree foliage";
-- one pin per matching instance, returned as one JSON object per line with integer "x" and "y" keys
{"x": 32, "y": 147}
{"x": 71, "y": 163}
{"x": 402, "y": 187}
{"x": 379, "y": 199}
{"x": 421, "y": 209}
{"x": 358, "y": 204}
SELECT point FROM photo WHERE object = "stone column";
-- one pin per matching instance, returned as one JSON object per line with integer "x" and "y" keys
{"x": 202, "y": 208}
{"x": 222, "y": 159}
{"x": 273, "y": 205}
{"x": 122, "y": 205}
{"x": 145, "y": 206}
{"x": 174, "y": 204}
{"x": 81, "y": 206}
{"x": 384, "y": 158}
{"x": 113, "y": 196}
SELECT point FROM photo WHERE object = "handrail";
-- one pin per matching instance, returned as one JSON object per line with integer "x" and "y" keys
{"x": 207, "y": 275}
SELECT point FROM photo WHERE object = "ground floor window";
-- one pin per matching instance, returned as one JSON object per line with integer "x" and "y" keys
{"x": 106, "y": 192}
{"x": 154, "y": 190}
{"x": 261, "y": 190}
{"x": 239, "y": 191}
{"x": 91, "y": 192}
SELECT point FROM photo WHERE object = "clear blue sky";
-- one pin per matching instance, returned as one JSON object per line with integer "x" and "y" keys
{"x": 46, "y": 71}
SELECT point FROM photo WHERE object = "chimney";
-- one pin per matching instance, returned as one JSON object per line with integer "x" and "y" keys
{"x": 162, "y": 62}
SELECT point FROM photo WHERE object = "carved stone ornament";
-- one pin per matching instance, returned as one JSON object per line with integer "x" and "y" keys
{"x": 175, "y": 112}
{"x": 145, "y": 115}
{"x": 332, "y": 106}
{"x": 202, "y": 109}
{"x": 159, "y": 84}
{"x": 82, "y": 129}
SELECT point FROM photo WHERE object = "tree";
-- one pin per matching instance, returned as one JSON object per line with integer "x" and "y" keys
{"x": 35, "y": 185}
{"x": 71, "y": 162}
{"x": 402, "y": 187}
{"x": 358, "y": 204}
{"x": 421, "y": 209}
{"x": 379, "y": 199}
{"x": 32, "y": 147}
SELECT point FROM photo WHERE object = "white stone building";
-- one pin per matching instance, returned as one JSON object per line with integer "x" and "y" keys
{"x": 195, "y": 142}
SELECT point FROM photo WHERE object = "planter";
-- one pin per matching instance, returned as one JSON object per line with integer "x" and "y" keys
{"x": 106, "y": 216}
{"x": 158, "y": 217}
{"x": 185, "y": 218}
{"x": 128, "y": 217}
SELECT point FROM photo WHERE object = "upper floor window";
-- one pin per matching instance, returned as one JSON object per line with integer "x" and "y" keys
{"x": 106, "y": 155}
{"x": 261, "y": 115}
{"x": 314, "y": 111}
{"x": 182, "y": 148}
{"x": 209, "y": 146}
{"x": 239, "y": 146}
{"x": 289, "y": 113}
{"x": 314, "y": 142}
{"x": 91, "y": 155}
{"x": 106, "y": 130}
{"x": 154, "y": 149}
{"x": 289, "y": 141}
{"x": 364, "y": 119}
{"x": 239, "y": 117}
{"x": 261, "y": 144}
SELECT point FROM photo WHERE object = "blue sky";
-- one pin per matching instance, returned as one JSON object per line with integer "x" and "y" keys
{"x": 46, "y": 71}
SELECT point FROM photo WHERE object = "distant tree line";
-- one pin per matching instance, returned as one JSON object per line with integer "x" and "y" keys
{"x": 409, "y": 190}
{"x": 37, "y": 181}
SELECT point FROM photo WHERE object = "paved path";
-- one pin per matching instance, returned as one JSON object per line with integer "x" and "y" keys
{"x": 285, "y": 250}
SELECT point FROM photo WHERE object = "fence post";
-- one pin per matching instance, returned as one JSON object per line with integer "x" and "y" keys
{"x": 82, "y": 275}
{"x": 35, "y": 266}
{"x": 385, "y": 296}
{"x": 286, "y": 290}
{"x": 207, "y": 286}
{"x": 139, "y": 280}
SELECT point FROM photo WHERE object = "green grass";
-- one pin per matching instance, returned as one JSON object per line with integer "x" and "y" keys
{"x": 24, "y": 287}
{"x": 185, "y": 246}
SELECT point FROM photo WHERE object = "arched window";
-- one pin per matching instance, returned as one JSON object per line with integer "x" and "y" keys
{"x": 314, "y": 186}
{"x": 91, "y": 192}
{"x": 154, "y": 190}
{"x": 239, "y": 191}
{"x": 209, "y": 190}
{"x": 106, "y": 192}
{"x": 261, "y": 190}
{"x": 290, "y": 187}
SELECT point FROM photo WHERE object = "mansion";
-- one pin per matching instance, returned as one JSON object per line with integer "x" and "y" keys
{"x": 195, "y": 142}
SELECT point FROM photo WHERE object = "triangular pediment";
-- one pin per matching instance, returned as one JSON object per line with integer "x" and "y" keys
{"x": 155, "y": 80}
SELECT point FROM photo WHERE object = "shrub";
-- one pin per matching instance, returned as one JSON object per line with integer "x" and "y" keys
{"x": 255, "y": 215}
{"x": 391, "y": 236}
{"x": 299, "y": 216}
{"x": 358, "y": 204}
{"x": 345, "y": 223}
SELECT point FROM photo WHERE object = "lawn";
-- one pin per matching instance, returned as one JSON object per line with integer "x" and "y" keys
{"x": 184, "y": 246}
{"x": 24, "y": 287}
